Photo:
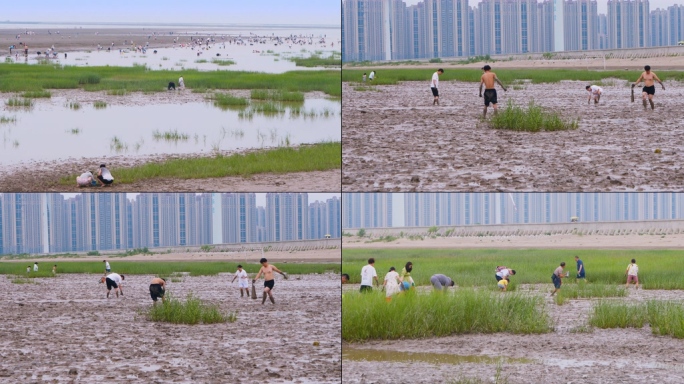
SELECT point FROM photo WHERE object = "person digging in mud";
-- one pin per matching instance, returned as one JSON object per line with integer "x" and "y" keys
{"x": 632, "y": 274}
{"x": 488, "y": 78}
{"x": 405, "y": 277}
{"x": 503, "y": 273}
{"x": 557, "y": 278}
{"x": 243, "y": 281}
{"x": 434, "y": 85}
{"x": 368, "y": 274}
{"x": 441, "y": 282}
{"x": 269, "y": 281}
{"x": 502, "y": 284}
{"x": 649, "y": 86}
{"x": 594, "y": 92}
{"x": 157, "y": 289}
{"x": 345, "y": 278}
{"x": 105, "y": 176}
{"x": 113, "y": 280}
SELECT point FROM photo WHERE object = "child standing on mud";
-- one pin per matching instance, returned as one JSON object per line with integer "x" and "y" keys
{"x": 502, "y": 284}
{"x": 243, "y": 281}
{"x": 631, "y": 273}
{"x": 557, "y": 276}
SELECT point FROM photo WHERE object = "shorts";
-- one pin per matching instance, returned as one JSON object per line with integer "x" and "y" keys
{"x": 269, "y": 284}
{"x": 498, "y": 278}
{"x": 633, "y": 278}
{"x": 649, "y": 90}
{"x": 111, "y": 284}
{"x": 83, "y": 181}
{"x": 104, "y": 181}
{"x": 580, "y": 276}
{"x": 489, "y": 97}
{"x": 366, "y": 288}
{"x": 405, "y": 286}
{"x": 435, "y": 92}
{"x": 108, "y": 270}
{"x": 156, "y": 291}
{"x": 243, "y": 284}
{"x": 556, "y": 281}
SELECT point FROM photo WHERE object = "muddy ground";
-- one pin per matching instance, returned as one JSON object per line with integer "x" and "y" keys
{"x": 65, "y": 323}
{"x": 392, "y": 135}
{"x": 572, "y": 353}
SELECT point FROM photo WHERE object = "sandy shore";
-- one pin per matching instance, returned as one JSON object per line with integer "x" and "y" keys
{"x": 394, "y": 140}
{"x": 566, "y": 241}
{"x": 73, "y": 327}
{"x": 313, "y": 256}
{"x": 566, "y": 355}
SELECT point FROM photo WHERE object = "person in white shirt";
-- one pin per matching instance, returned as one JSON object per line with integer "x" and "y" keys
{"x": 85, "y": 179}
{"x": 434, "y": 86}
{"x": 371, "y": 76}
{"x": 107, "y": 267}
{"x": 368, "y": 274}
{"x": 181, "y": 83}
{"x": 594, "y": 92}
{"x": 391, "y": 283}
{"x": 632, "y": 272}
{"x": 113, "y": 280}
{"x": 35, "y": 267}
{"x": 503, "y": 273}
{"x": 104, "y": 175}
{"x": 243, "y": 281}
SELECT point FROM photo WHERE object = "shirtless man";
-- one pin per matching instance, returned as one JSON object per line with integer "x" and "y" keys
{"x": 269, "y": 282}
{"x": 488, "y": 78}
{"x": 157, "y": 289}
{"x": 649, "y": 86}
{"x": 113, "y": 280}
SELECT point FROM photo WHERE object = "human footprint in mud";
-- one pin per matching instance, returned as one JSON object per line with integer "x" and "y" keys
{"x": 268, "y": 269}
{"x": 648, "y": 91}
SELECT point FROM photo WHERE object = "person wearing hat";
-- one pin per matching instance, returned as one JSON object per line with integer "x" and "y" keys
{"x": 104, "y": 175}
{"x": 269, "y": 281}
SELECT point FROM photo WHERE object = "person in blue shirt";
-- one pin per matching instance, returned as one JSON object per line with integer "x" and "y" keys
{"x": 580, "y": 268}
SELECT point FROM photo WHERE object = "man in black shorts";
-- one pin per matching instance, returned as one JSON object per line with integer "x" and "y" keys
{"x": 648, "y": 91}
{"x": 269, "y": 281}
{"x": 157, "y": 289}
{"x": 488, "y": 79}
{"x": 434, "y": 86}
{"x": 113, "y": 280}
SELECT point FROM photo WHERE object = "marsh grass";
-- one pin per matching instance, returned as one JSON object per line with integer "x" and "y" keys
{"x": 200, "y": 61}
{"x": 173, "y": 136}
{"x": 16, "y": 102}
{"x": 100, "y": 104}
{"x": 227, "y": 100}
{"x": 315, "y": 60}
{"x": 277, "y": 95}
{"x": 74, "y": 131}
{"x": 117, "y": 145}
{"x": 414, "y": 315}
{"x": 223, "y": 62}
{"x": 532, "y": 119}
{"x": 268, "y": 108}
{"x": 36, "y": 94}
{"x": 8, "y": 120}
{"x": 75, "y": 105}
{"x": 117, "y": 92}
{"x": 666, "y": 318}
{"x": 191, "y": 311}
{"x": 658, "y": 269}
{"x": 584, "y": 290}
{"x": 20, "y": 78}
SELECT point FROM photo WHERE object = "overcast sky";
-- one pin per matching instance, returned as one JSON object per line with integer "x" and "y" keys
{"x": 319, "y": 12}
{"x": 602, "y": 4}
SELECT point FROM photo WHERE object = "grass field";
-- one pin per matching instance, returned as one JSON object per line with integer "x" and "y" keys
{"x": 316, "y": 157}
{"x": 658, "y": 269}
{"x": 159, "y": 268}
{"x": 666, "y": 318}
{"x": 392, "y": 76}
{"x": 413, "y": 315}
{"x": 120, "y": 80}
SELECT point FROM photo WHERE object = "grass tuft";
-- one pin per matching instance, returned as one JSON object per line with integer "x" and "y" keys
{"x": 170, "y": 136}
{"x": 191, "y": 311}
{"x": 100, "y": 104}
{"x": 36, "y": 94}
{"x": 16, "y": 102}
{"x": 532, "y": 119}
{"x": 8, "y": 120}
{"x": 226, "y": 100}
{"x": 278, "y": 95}
{"x": 223, "y": 62}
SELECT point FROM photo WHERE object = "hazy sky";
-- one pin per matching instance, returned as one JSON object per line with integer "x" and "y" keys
{"x": 602, "y": 4}
{"x": 261, "y": 198}
{"x": 319, "y": 12}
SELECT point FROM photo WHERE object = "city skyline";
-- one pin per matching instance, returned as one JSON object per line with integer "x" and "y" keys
{"x": 427, "y": 209}
{"x": 260, "y": 197}
{"x": 174, "y": 11}
{"x": 53, "y": 222}
{"x": 602, "y": 5}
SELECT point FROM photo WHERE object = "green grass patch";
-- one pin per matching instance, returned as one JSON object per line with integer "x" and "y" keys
{"x": 315, "y": 60}
{"x": 75, "y": 105}
{"x": 8, "y": 120}
{"x": 414, "y": 315}
{"x": 268, "y": 108}
{"x": 191, "y": 311}
{"x": 100, "y": 104}
{"x": 21, "y": 78}
{"x": 36, "y": 94}
{"x": 174, "y": 136}
{"x": 532, "y": 119}
{"x": 387, "y": 76}
{"x": 658, "y": 269}
{"x": 666, "y": 318}
{"x": 277, "y": 95}
{"x": 117, "y": 92}
{"x": 195, "y": 268}
{"x": 201, "y": 61}
{"x": 223, "y": 62}
{"x": 16, "y": 102}
{"x": 582, "y": 290}
{"x": 226, "y": 100}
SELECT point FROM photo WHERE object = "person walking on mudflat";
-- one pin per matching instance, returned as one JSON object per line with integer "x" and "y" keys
{"x": 434, "y": 85}
{"x": 488, "y": 78}
{"x": 269, "y": 281}
{"x": 649, "y": 85}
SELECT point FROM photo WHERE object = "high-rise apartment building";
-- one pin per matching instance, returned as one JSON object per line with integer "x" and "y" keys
{"x": 286, "y": 216}
{"x": 628, "y": 23}
{"x": 581, "y": 25}
{"x": 366, "y": 210}
{"x": 239, "y": 217}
